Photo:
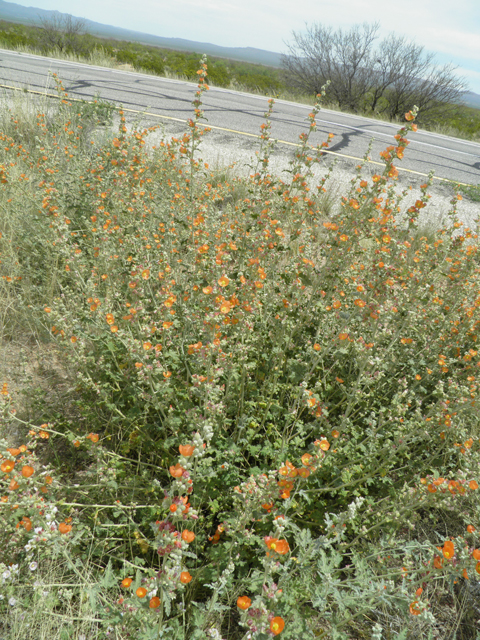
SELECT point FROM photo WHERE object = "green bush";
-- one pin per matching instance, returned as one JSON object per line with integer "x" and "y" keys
{"x": 270, "y": 400}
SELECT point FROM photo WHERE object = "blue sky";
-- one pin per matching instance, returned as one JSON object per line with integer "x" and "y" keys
{"x": 449, "y": 29}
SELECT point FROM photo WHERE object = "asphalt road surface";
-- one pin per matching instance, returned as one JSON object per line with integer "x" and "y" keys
{"x": 450, "y": 158}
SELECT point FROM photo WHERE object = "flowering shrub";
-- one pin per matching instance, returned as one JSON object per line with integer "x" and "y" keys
{"x": 271, "y": 400}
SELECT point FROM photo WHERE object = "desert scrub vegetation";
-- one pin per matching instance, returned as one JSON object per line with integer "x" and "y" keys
{"x": 271, "y": 426}
{"x": 68, "y": 39}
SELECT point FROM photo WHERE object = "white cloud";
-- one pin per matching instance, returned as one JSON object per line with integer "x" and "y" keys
{"x": 459, "y": 44}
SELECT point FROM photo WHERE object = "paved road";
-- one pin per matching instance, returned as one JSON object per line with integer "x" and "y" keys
{"x": 450, "y": 158}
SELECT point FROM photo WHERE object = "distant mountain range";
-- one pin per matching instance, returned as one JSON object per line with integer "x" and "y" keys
{"x": 472, "y": 99}
{"x": 13, "y": 12}
{"x": 30, "y": 15}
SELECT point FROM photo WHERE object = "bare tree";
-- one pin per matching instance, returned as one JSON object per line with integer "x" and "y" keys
{"x": 62, "y": 32}
{"x": 390, "y": 78}
{"x": 343, "y": 57}
{"x": 410, "y": 76}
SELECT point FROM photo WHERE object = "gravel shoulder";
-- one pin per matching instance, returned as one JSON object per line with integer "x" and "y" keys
{"x": 221, "y": 150}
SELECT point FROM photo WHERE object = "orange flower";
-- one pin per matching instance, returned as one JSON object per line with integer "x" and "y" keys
{"x": 477, "y": 568}
{"x": 177, "y": 470}
{"x": 154, "y": 603}
{"x": 173, "y": 508}
{"x": 224, "y": 281}
{"x": 306, "y": 459}
{"x": 109, "y": 318}
{"x": 317, "y": 347}
{"x": 414, "y": 608}
{"x": 470, "y": 528}
{"x": 94, "y": 437}
{"x": 409, "y": 116}
{"x": 476, "y": 554}
{"x": 323, "y": 444}
{"x": 473, "y": 484}
{"x": 25, "y": 522}
{"x": 13, "y": 485}
{"x": 437, "y": 562}
{"x": 13, "y": 451}
{"x": 452, "y": 485}
{"x": 63, "y": 527}
{"x": 185, "y": 577}
{"x": 141, "y": 592}
{"x": 126, "y": 582}
{"x": 188, "y": 536}
{"x": 448, "y": 549}
{"x": 7, "y": 466}
{"x": 207, "y": 290}
{"x": 282, "y": 547}
{"x": 277, "y": 625}
{"x": 186, "y": 450}
{"x": 244, "y": 603}
{"x": 27, "y": 471}
{"x": 269, "y": 541}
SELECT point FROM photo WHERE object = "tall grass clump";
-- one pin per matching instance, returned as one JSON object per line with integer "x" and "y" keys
{"x": 272, "y": 422}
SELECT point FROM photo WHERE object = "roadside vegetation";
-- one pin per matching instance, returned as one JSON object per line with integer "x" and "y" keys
{"x": 394, "y": 67}
{"x": 267, "y": 423}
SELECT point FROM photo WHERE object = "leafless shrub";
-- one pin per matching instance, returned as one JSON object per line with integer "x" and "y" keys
{"x": 62, "y": 32}
{"x": 387, "y": 79}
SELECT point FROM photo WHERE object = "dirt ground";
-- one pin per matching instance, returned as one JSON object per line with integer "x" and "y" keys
{"x": 28, "y": 369}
